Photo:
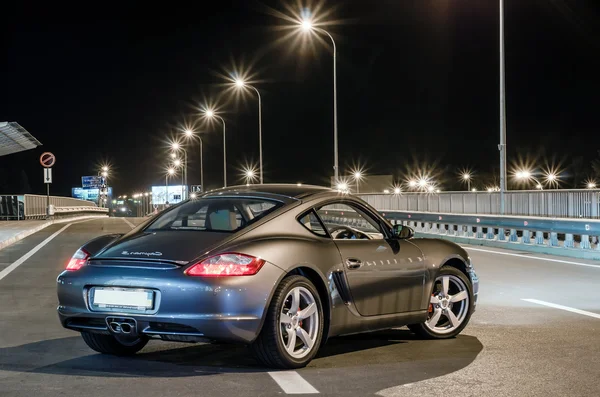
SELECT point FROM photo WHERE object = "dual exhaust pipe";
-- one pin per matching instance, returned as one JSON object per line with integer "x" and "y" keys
{"x": 122, "y": 326}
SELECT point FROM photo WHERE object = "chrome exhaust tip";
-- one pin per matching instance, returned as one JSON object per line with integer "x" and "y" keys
{"x": 119, "y": 325}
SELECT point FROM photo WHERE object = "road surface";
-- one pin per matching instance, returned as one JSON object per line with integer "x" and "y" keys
{"x": 536, "y": 332}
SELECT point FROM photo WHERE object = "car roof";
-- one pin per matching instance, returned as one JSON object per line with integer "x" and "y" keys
{"x": 288, "y": 190}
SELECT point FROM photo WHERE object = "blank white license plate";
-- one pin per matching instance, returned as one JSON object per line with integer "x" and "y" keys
{"x": 126, "y": 298}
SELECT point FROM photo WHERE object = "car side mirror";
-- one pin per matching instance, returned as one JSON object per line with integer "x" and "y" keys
{"x": 403, "y": 232}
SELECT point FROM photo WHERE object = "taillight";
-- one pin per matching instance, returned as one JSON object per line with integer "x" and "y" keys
{"x": 78, "y": 260}
{"x": 229, "y": 264}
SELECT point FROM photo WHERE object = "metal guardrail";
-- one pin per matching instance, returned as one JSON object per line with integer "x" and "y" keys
{"x": 31, "y": 206}
{"x": 576, "y": 203}
{"x": 35, "y": 205}
{"x": 565, "y": 233}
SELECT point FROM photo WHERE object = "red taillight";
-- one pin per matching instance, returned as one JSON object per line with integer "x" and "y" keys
{"x": 229, "y": 264}
{"x": 78, "y": 260}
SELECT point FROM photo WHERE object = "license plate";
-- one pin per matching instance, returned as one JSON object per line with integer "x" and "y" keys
{"x": 122, "y": 298}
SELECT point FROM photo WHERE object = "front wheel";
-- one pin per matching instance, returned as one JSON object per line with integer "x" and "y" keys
{"x": 293, "y": 328}
{"x": 450, "y": 306}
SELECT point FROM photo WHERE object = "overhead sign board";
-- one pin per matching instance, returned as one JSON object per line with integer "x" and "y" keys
{"x": 90, "y": 194}
{"x": 92, "y": 181}
{"x": 47, "y": 159}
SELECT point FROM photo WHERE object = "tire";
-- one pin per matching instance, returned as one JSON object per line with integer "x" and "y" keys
{"x": 108, "y": 344}
{"x": 443, "y": 327}
{"x": 270, "y": 346}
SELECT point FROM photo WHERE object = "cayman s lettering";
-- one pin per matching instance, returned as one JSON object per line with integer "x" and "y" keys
{"x": 156, "y": 253}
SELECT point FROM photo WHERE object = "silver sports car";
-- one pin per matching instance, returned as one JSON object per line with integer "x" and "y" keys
{"x": 280, "y": 268}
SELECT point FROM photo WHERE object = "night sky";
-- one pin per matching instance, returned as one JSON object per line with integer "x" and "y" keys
{"x": 417, "y": 84}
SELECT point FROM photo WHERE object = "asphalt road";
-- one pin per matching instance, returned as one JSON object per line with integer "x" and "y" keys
{"x": 512, "y": 347}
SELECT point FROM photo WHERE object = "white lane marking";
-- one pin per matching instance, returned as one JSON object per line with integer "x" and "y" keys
{"x": 28, "y": 255}
{"x": 561, "y": 307}
{"x": 131, "y": 225}
{"x": 532, "y": 257}
{"x": 292, "y": 383}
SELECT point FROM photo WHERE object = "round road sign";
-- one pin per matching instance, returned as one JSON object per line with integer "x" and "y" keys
{"x": 47, "y": 159}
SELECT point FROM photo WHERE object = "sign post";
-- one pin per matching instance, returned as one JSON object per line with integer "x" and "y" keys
{"x": 47, "y": 160}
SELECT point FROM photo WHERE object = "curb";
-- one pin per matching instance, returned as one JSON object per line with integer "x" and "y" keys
{"x": 29, "y": 232}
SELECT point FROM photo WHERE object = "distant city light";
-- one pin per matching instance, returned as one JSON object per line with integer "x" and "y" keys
{"x": 430, "y": 188}
{"x": 105, "y": 168}
{"x": 177, "y": 163}
{"x": 397, "y": 190}
{"x": 240, "y": 83}
{"x": 591, "y": 185}
{"x": 189, "y": 132}
{"x": 171, "y": 171}
{"x": 175, "y": 146}
{"x": 412, "y": 183}
{"x": 466, "y": 176}
{"x": 193, "y": 195}
{"x": 386, "y": 191}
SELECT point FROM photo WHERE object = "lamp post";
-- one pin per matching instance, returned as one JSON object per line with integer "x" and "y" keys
{"x": 502, "y": 145}
{"x": 307, "y": 26}
{"x": 170, "y": 171}
{"x": 190, "y": 134}
{"x": 210, "y": 114}
{"x": 176, "y": 147}
{"x": 357, "y": 177}
{"x": 241, "y": 84}
{"x": 467, "y": 177}
{"x": 527, "y": 175}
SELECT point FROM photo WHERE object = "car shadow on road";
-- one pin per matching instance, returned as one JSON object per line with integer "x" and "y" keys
{"x": 71, "y": 357}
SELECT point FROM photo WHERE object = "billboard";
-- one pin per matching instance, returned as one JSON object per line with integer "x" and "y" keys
{"x": 172, "y": 194}
{"x": 88, "y": 193}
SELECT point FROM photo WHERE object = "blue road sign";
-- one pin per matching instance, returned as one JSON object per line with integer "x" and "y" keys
{"x": 91, "y": 181}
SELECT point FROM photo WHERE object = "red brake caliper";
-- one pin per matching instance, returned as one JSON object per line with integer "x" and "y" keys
{"x": 430, "y": 310}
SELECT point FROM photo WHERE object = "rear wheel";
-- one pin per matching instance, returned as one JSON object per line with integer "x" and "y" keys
{"x": 293, "y": 328}
{"x": 450, "y": 306}
{"x": 108, "y": 344}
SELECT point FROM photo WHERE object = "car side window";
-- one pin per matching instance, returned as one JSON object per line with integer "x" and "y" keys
{"x": 311, "y": 222}
{"x": 346, "y": 222}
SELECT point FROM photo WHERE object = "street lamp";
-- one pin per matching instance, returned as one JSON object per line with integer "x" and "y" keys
{"x": 467, "y": 178}
{"x": 240, "y": 83}
{"x": 307, "y": 26}
{"x": 190, "y": 135}
{"x": 527, "y": 175}
{"x": 357, "y": 175}
{"x": 176, "y": 147}
{"x": 591, "y": 185}
{"x": 249, "y": 174}
{"x": 209, "y": 113}
{"x": 170, "y": 172}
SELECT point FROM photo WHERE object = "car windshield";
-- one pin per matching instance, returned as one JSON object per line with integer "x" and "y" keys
{"x": 222, "y": 214}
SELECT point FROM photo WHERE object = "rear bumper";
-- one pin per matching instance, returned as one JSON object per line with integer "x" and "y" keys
{"x": 185, "y": 308}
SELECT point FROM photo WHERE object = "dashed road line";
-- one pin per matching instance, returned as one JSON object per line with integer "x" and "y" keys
{"x": 129, "y": 223}
{"x": 561, "y": 307}
{"x": 292, "y": 383}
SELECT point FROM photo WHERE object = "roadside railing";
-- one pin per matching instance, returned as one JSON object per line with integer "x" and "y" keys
{"x": 513, "y": 232}
{"x": 577, "y": 203}
{"x": 31, "y": 206}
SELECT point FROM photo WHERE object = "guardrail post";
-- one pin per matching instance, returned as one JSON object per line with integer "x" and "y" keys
{"x": 434, "y": 228}
{"x": 460, "y": 231}
{"x": 479, "y": 232}
{"x": 539, "y": 237}
{"x": 427, "y": 227}
{"x": 469, "y": 231}
{"x": 569, "y": 241}
{"x": 526, "y": 239}
{"x": 451, "y": 231}
{"x": 513, "y": 237}
{"x": 501, "y": 236}
{"x": 585, "y": 242}
{"x": 490, "y": 233}
{"x": 553, "y": 240}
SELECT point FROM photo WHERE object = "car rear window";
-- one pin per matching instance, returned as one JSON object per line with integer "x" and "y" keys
{"x": 220, "y": 214}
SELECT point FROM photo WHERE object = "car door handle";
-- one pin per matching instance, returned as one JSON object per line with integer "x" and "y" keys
{"x": 353, "y": 263}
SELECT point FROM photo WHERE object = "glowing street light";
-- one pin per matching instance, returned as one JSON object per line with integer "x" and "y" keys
{"x": 209, "y": 113}
{"x": 190, "y": 135}
{"x": 591, "y": 185}
{"x": 527, "y": 175}
{"x": 105, "y": 168}
{"x": 357, "y": 176}
{"x": 412, "y": 183}
{"x": 240, "y": 83}
{"x": 397, "y": 190}
{"x": 307, "y": 26}
{"x": 466, "y": 177}
{"x": 177, "y": 163}
{"x": 171, "y": 171}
